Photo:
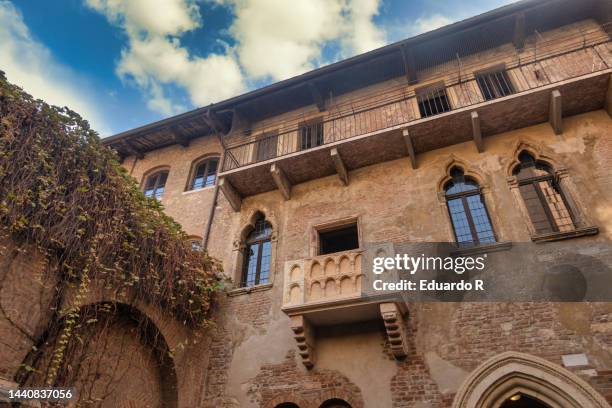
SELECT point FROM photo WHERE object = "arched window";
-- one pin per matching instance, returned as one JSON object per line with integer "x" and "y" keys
{"x": 287, "y": 405}
{"x": 155, "y": 184}
{"x": 256, "y": 269}
{"x": 467, "y": 210}
{"x": 543, "y": 197}
{"x": 204, "y": 174}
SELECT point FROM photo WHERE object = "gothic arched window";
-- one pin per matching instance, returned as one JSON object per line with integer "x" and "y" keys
{"x": 468, "y": 213}
{"x": 543, "y": 197}
{"x": 155, "y": 184}
{"x": 258, "y": 249}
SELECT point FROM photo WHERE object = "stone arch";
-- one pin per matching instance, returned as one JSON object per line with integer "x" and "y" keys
{"x": 331, "y": 287}
{"x": 341, "y": 396}
{"x": 468, "y": 171}
{"x": 538, "y": 153}
{"x": 330, "y": 267}
{"x": 511, "y": 373}
{"x": 282, "y": 400}
{"x": 145, "y": 372}
{"x": 153, "y": 170}
{"x": 197, "y": 161}
{"x": 250, "y": 225}
{"x": 316, "y": 271}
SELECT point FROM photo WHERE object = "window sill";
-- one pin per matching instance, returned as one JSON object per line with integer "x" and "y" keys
{"x": 482, "y": 249}
{"x": 558, "y": 236}
{"x": 197, "y": 190}
{"x": 244, "y": 291}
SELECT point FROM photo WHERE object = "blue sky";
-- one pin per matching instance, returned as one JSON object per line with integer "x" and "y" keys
{"x": 125, "y": 63}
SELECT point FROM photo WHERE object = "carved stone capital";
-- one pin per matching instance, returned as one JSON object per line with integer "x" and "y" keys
{"x": 394, "y": 324}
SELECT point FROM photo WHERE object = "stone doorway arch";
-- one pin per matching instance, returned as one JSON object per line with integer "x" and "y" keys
{"x": 511, "y": 373}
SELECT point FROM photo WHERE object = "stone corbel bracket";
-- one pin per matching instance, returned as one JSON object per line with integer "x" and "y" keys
{"x": 303, "y": 334}
{"x": 394, "y": 324}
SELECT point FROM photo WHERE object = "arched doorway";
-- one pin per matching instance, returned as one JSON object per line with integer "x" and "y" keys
{"x": 287, "y": 405}
{"x": 335, "y": 403}
{"x": 522, "y": 401}
{"x": 518, "y": 380}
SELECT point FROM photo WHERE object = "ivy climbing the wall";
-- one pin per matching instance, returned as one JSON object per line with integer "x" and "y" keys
{"x": 64, "y": 193}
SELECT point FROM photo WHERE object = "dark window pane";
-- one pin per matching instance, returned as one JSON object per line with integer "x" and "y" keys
{"x": 494, "y": 84}
{"x": 337, "y": 240}
{"x": 311, "y": 135}
{"x": 433, "y": 102}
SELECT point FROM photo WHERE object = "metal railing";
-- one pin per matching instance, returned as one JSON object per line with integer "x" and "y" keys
{"x": 540, "y": 63}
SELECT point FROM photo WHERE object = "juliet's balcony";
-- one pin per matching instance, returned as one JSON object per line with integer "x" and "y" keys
{"x": 326, "y": 290}
{"x": 480, "y": 91}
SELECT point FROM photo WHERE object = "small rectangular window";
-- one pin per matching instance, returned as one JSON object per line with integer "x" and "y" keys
{"x": 311, "y": 135}
{"x": 433, "y": 102}
{"x": 338, "y": 239}
{"x": 494, "y": 84}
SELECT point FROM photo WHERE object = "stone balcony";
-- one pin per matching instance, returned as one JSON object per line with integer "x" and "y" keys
{"x": 561, "y": 78}
{"x": 326, "y": 290}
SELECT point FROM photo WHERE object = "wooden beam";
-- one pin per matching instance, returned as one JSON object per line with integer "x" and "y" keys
{"x": 317, "y": 98}
{"x": 281, "y": 180}
{"x": 215, "y": 122}
{"x": 409, "y": 147}
{"x": 340, "y": 167}
{"x": 476, "y": 133}
{"x": 555, "y": 118}
{"x": 409, "y": 65}
{"x": 132, "y": 150}
{"x": 519, "y": 31}
{"x": 240, "y": 122}
{"x": 230, "y": 194}
{"x": 178, "y": 137}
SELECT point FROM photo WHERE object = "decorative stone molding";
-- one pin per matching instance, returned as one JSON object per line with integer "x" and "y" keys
{"x": 303, "y": 334}
{"x": 322, "y": 278}
{"x": 396, "y": 333}
{"x": 510, "y": 373}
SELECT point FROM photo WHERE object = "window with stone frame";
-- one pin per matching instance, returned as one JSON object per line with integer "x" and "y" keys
{"x": 433, "y": 101}
{"x": 494, "y": 84}
{"x": 155, "y": 184}
{"x": 258, "y": 252}
{"x": 468, "y": 212}
{"x": 545, "y": 202}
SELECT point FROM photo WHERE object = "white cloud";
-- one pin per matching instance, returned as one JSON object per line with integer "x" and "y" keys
{"x": 429, "y": 23}
{"x": 155, "y": 57}
{"x": 275, "y": 39}
{"x": 280, "y": 39}
{"x": 31, "y": 65}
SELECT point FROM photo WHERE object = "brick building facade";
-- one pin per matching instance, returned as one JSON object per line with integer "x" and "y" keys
{"x": 293, "y": 185}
